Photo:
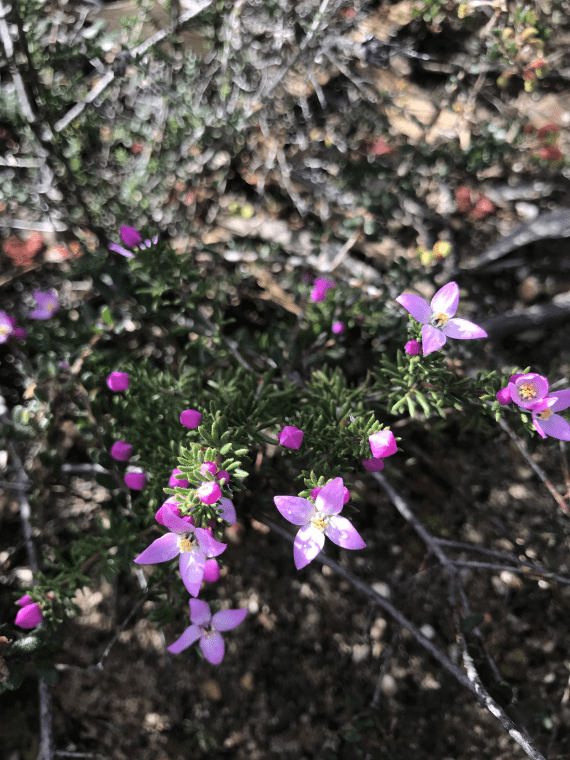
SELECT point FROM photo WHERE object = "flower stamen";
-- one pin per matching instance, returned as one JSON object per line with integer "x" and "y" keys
{"x": 319, "y": 522}
{"x": 527, "y": 391}
{"x": 545, "y": 414}
{"x": 439, "y": 320}
{"x": 186, "y": 543}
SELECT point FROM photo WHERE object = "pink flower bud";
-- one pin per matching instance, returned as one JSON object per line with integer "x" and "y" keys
{"x": 189, "y": 519}
{"x": 135, "y": 480}
{"x": 315, "y": 492}
{"x": 383, "y": 444}
{"x": 23, "y": 600}
{"x": 337, "y": 328}
{"x": 121, "y": 451}
{"x": 209, "y": 493}
{"x": 373, "y": 465}
{"x": 291, "y": 437}
{"x": 174, "y": 482}
{"x": 211, "y": 571}
{"x": 118, "y": 381}
{"x": 209, "y": 468}
{"x": 413, "y": 347}
{"x": 504, "y": 396}
{"x": 345, "y": 495}
{"x": 29, "y": 616}
{"x": 130, "y": 236}
{"x": 190, "y": 418}
{"x": 223, "y": 474}
{"x": 172, "y": 505}
{"x": 320, "y": 288}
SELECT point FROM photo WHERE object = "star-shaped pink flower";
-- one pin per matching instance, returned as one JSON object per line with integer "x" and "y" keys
{"x": 546, "y": 422}
{"x": 192, "y": 544}
{"x": 437, "y": 318}
{"x": 317, "y": 521}
{"x": 47, "y": 304}
{"x": 207, "y": 628}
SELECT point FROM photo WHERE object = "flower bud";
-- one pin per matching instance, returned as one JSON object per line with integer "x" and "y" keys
{"x": 174, "y": 482}
{"x": 291, "y": 437}
{"x": 209, "y": 468}
{"x": 413, "y": 347}
{"x": 121, "y": 451}
{"x": 209, "y": 493}
{"x": 190, "y": 418}
{"x": 135, "y": 480}
{"x": 118, "y": 381}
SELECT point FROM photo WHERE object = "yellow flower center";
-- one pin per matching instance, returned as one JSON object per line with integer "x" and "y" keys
{"x": 4, "y": 330}
{"x": 545, "y": 414}
{"x": 319, "y": 522}
{"x": 186, "y": 543}
{"x": 439, "y": 320}
{"x": 527, "y": 390}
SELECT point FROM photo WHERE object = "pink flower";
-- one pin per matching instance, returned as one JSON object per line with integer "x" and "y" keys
{"x": 413, "y": 347}
{"x": 209, "y": 492}
{"x": 291, "y": 437}
{"x": 546, "y": 422}
{"x": 121, "y": 451}
{"x": 383, "y": 444}
{"x": 206, "y": 628}
{"x": 135, "y": 480}
{"x": 118, "y": 381}
{"x": 436, "y": 318}
{"x": 373, "y": 465}
{"x": 526, "y": 390}
{"x": 174, "y": 481}
{"x": 6, "y": 327}
{"x": 317, "y": 521}
{"x": 320, "y": 288}
{"x": 211, "y": 571}
{"x": 337, "y": 328}
{"x": 190, "y": 418}
{"x": 47, "y": 304}
{"x": 192, "y": 544}
{"x": 30, "y": 614}
{"x": 209, "y": 468}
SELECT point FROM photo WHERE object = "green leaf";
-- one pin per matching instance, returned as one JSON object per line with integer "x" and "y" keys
{"x": 106, "y": 315}
{"x": 225, "y": 449}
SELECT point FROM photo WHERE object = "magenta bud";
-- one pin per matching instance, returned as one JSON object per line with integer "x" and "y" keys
{"x": 29, "y": 616}
{"x": 209, "y": 468}
{"x": 190, "y": 418}
{"x": 209, "y": 493}
{"x": 121, "y": 451}
{"x": 170, "y": 504}
{"x": 291, "y": 437}
{"x": 135, "y": 480}
{"x": 181, "y": 483}
{"x": 345, "y": 495}
{"x": 504, "y": 396}
{"x": 337, "y": 328}
{"x": 118, "y": 381}
{"x": 383, "y": 444}
{"x": 315, "y": 492}
{"x": 373, "y": 465}
{"x": 223, "y": 474}
{"x": 211, "y": 571}
{"x": 23, "y": 600}
{"x": 413, "y": 347}
{"x": 130, "y": 236}
{"x": 19, "y": 333}
{"x": 189, "y": 519}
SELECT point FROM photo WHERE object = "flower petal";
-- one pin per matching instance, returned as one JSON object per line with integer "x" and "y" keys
{"x": 176, "y": 524}
{"x": 330, "y": 498}
{"x": 432, "y": 339}
{"x": 208, "y": 544}
{"x": 556, "y": 427}
{"x": 190, "y": 635}
{"x": 119, "y": 249}
{"x": 200, "y": 613}
{"x": 212, "y": 645}
{"x": 446, "y": 299}
{"x": 161, "y": 550}
{"x": 295, "y": 509}
{"x": 308, "y": 543}
{"x": 418, "y": 307}
{"x": 343, "y": 533}
{"x": 192, "y": 565}
{"x": 228, "y": 619}
{"x": 228, "y": 511}
{"x": 463, "y": 329}
{"x": 537, "y": 427}
{"x": 383, "y": 444}
{"x": 562, "y": 400}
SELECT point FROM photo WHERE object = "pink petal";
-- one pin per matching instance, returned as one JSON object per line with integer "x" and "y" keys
{"x": 174, "y": 523}
{"x": 373, "y": 465}
{"x": 190, "y": 635}
{"x": 295, "y": 509}
{"x": 418, "y": 307}
{"x": 200, "y": 613}
{"x": 343, "y": 533}
{"x": 446, "y": 299}
{"x": 556, "y": 427}
{"x": 308, "y": 543}
{"x": 212, "y": 645}
{"x": 161, "y": 550}
{"x": 562, "y": 400}
{"x": 463, "y": 329}
{"x": 537, "y": 427}
{"x": 192, "y": 566}
{"x": 29, "y": 616}
{"x": 208, "y": 544}
{"x": 432, "y": 339}
{"x": 330, "y": 498}
{"x": 383, "y": 444}
{"x": 228, "y": 511}
{"x": 228, "y": 619}
{"x": 119, "y": 249}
